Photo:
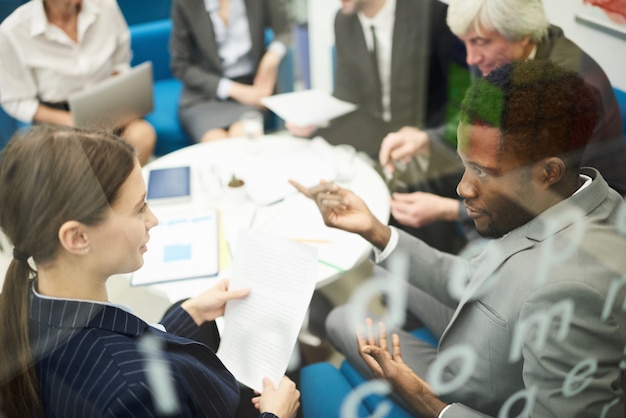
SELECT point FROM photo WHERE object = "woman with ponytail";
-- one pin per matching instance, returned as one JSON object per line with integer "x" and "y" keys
{"x": 73, "y": 207}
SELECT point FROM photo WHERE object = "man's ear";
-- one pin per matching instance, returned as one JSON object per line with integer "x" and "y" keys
{"x": 73, "y": 237}
{"x": 552, "y": 170}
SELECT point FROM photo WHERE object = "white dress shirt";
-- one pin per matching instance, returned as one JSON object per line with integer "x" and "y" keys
{"x": 234, "y": 43}
{"x": 41, "y": 63}
{"x": 383, "y": 23}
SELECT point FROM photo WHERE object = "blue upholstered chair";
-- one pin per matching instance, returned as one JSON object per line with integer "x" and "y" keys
{"x": 621, "y": 101}
{"x": 142, "y": 11}
{"x": 150, "y": 42}
{"x": 324, "y": 388}
{"x": 8, "y": 125}
{"x": 7, "y": 7}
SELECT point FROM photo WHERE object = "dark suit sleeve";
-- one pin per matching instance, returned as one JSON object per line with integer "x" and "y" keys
{"x": 183, "y": 43}
{"x": 279, "y": 20}
{"x": 179, "y": 322}
{"x": 345, "y": 80}
{"x": 440, "y": 44}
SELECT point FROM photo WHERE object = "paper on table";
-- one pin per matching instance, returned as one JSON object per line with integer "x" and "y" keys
{"x": 260, "y": 331}
{"x": 307, "y": 107}
{"x": 336, "y": 248}
{"x": 267, "y": 175}
{"x": 181, "y": 247}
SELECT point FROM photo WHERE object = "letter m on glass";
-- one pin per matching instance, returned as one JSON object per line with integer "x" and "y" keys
{"x": 537, "y": 326}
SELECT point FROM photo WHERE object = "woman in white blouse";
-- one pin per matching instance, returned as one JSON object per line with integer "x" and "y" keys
{"x": 55, "y": 48}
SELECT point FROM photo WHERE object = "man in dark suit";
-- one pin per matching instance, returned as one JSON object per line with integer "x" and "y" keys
{"x": 404, "y": 85}
{"x": 403, "y": 91}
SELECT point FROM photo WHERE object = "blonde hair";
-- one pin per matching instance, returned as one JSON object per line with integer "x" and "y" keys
{"x": 513, "y": 19}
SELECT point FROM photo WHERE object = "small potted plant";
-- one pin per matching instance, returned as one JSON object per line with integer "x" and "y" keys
{"x": 235, "y": 182}
{"x": 236, "y": 190}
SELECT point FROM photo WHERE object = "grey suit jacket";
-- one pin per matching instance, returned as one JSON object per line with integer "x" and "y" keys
{"x": 193, "y": 48}
{"x": 606, "y": 150}
{"x": 569, "y": 264}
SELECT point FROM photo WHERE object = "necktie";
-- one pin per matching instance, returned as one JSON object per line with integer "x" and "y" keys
{"x": 374, "y": 59}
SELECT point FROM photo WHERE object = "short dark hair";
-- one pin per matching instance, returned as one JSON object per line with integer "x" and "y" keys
{"x": 541, "y": 110}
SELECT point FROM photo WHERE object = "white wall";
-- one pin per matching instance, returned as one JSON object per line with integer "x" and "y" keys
{"x": 321, "y": 39}
{"x": 609, "y": 51}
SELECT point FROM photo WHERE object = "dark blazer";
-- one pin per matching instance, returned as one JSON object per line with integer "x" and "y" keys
{"x": 606, "y": 150}
{"x": 89, "y": 363}
{"x": 193, "y": 48}
{"x": 421, "y": 54}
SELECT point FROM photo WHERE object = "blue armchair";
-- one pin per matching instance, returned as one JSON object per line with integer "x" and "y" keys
{"x": 8, "y": 125}
{"x": 142, "y": 11}
{"x": 621, "y": 102}
{"x": 324, "y": 388}
{"x": 149, "y": 42}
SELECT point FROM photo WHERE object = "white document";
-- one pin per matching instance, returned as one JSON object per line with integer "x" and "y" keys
{"x": 307, "y": 107}
{"x": 268, "y": 177}
{"x": 260, "y": 331}
{"x": 181, "y": 247}
{"x": 267, "y": 173}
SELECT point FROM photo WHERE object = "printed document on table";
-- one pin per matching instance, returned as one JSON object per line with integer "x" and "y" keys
{"x": 307, "y": 107}
{"x": 181, "y": 247}
{"x": 261, "y": 330}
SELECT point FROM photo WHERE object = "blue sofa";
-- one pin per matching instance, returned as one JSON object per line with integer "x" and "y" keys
{"x": 142, "y": 11}
{"x": 149, "y": 42}
{"x": 324, "y": 388}
{"x": 621, "y": 101}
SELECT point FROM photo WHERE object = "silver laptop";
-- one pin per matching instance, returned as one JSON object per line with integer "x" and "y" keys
{"x": 114, "y": 101}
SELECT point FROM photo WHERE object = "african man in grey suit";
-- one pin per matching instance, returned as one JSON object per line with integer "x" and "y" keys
{"x": 534, "y": 324}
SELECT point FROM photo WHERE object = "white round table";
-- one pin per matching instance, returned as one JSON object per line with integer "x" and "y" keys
{"x": 271, "y": 204}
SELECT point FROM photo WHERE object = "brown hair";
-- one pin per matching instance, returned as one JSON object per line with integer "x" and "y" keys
{"x": 48, "y": 176}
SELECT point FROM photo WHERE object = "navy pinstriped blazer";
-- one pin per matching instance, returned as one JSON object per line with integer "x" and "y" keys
{"x": 89, "y": 364}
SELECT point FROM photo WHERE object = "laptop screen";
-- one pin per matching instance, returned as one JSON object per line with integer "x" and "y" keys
{"x": 115, "y": 101}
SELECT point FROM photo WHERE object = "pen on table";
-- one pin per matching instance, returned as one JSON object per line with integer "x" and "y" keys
{"x": 326, "y": 263}
{"x": 252, "y": 218}
{"x": 275, "y": 202}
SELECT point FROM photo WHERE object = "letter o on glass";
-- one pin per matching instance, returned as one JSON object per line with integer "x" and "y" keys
{"x": 462, "y": 352}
